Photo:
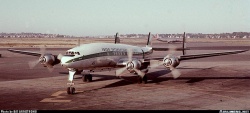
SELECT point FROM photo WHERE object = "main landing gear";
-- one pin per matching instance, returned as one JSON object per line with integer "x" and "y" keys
{"x": 87, "y": 78}
{"x": 72, "y": 72}
{"x": 143, "y": 79}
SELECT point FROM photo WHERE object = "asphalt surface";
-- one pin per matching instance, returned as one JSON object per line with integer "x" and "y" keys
{"x": 217, "y": 83}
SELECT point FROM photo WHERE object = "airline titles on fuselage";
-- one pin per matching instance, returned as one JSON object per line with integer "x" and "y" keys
{"x": 119, "y": 51}
{"x": 114, "y": 49}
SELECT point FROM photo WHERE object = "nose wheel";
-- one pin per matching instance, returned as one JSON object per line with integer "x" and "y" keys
{"x": 71, "y": 90}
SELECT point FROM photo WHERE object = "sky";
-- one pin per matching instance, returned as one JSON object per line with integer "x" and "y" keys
{"x": 106, "y": 17}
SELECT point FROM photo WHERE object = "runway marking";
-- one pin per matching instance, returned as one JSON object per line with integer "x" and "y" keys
{"x": 56, "y": 98}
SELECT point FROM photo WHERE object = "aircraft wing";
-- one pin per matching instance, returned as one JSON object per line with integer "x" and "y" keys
{"x": 167, "y": 49}
{"x": 196, "y": 56}
{"x": 25, "y": 52}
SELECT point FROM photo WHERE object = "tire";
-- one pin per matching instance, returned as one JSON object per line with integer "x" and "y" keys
{"x": 68, "y": 90}
{"x": 73, "y": 90}
{"x": 84, "y": 78}
{"x": 145, "y": 80}
{"x": 88, "y": 78}
{"x": 139, "y": 80}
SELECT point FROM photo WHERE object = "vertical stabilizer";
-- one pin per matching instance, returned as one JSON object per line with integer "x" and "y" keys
{"x": 149, "y": 42}
{"x": 117, "y": 38}
{"x": 78, "y": 42}
{"x": 184, "y": 44}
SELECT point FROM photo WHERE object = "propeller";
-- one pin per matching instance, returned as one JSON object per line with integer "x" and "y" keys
{"x": 50, "y": 68}
{"x": 155, "y": 63}
{"x": 32, "y": 64}
{"x": 121, "y": 70}
{"x": 59, "y": 56}
{"x": 175, "y": 72}
{"x": 78, "y": 42}
{"x": 130, "y": 56}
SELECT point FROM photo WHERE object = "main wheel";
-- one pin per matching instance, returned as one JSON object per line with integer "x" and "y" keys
{"x": 145, "y": 79}
{"x": 68, "y": 90}
{"x": 84, "y": 78}
{"x": 139, "y": 80}
{"x": 73, "y": 90}
{"x": 88, "y": 78}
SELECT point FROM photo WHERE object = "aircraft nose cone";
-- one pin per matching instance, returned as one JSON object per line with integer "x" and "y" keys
{"x": 64, "y": 60}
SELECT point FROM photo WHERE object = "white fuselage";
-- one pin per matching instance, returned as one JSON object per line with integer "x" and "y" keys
{"x": 169, "y": 40}
{"x": 101, "y": 55}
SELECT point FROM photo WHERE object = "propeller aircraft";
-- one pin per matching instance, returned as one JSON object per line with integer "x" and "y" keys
{"x": 118, "y": 56}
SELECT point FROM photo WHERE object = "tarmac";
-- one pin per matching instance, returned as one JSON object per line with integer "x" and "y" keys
{"x": 215, "y": 83}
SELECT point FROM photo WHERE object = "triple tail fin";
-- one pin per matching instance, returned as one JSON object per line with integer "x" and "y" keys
{"x": 117, "y": 38}
{"x": 184, "y": 44}
{"x": 149, "y": 42}
{"x": 79, "y": 42}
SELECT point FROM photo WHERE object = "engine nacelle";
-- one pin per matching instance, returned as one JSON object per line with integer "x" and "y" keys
{"x": 49, "y": 60}
{"x": 170, "y": 61}
{"x": 135, "y": 64}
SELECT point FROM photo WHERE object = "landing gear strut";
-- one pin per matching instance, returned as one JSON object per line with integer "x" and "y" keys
{"x": 71, "y": 89}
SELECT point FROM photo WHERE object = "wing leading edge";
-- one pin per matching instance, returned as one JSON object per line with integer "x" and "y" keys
{"x": 25, "y": 52}
{"x": 196, "y": 56}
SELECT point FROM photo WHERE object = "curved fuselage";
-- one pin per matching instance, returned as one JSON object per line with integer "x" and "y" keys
{"x": 169, "y": 40}
{"x": 101, "y": 55}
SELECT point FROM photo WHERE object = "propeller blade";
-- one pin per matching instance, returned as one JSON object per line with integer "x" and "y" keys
{"x": 32, "y": 64}
{"x": 172, "y": 49}
{"x": 59, "y": 56}
{"x": 155, "y": 63}
{"x": 118, "y": 72}
{"x": 139, "y": 72}
{"x": 176, "y": 73}
{"x": 50, "y": 68}
{"x": 130, "y": 54}
{"x": 79, "y": 42}
{"x": 42, "y": 50}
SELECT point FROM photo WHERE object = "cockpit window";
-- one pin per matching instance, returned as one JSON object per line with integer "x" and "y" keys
{"x": 72, "y": 53}
{"x": 77, "y": 53}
